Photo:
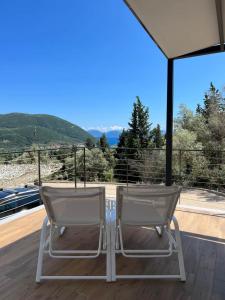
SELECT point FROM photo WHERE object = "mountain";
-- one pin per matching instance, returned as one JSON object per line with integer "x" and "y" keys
{"x": 18, "y": 130}
{"x": 96, "y": 133}
{"x": 112, "y": 135}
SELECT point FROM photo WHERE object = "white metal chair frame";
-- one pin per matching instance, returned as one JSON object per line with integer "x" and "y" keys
{"x": 110, "y": 243}
{"x": 46, "y": 246}
{"x": 175, "y": 245}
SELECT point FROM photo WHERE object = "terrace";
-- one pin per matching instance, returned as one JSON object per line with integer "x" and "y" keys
{"x": 200, "y": 212}
{"x": 203, "y": 238}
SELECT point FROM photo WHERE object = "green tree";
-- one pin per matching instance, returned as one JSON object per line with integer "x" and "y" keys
{"x": 213, "y": 102}
{"x": 89, "y": 143}
{"x": 95, "y": 164}
{"x": 211, "y": 118}
{"x": 107, "y": 152}
{"x": 103, "y": 143}
{"x": 135, "y": 139}
{"x": 122, "y": 140}
{"x": 185, "y": 118}
{"x": 157, "y": 137}
{"x": 139, "y": 127}
{"x": 203, "y": 130}
{"x": 120, "y": 157}
{"x": 143, "y": 124}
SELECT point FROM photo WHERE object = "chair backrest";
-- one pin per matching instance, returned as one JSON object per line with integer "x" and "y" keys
{"x": 146, "y": 204}
{"x": 70, "y": 206}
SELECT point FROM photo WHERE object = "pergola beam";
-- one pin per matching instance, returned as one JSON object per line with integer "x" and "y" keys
{"x": 220, "y": 22}
{"x": 206, "y": 51}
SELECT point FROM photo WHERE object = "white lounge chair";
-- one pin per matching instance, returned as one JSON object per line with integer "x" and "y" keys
{"x": 151, "y": 206}
{"x": 72, "y": 207}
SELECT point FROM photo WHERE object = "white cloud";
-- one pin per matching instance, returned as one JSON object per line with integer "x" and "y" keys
{"x": 115, "y": 127}
{"x": 105, "y": 128}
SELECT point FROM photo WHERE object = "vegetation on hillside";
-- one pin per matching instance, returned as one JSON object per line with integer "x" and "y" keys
{"x": 19, "y": 131}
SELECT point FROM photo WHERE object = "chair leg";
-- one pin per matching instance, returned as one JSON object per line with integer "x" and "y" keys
{"x": 41, "y": 250}
{"x": 107, "y": 229}
{"x": 180, "y": 251}
{"x": 104, "y": 241}
{"x": 117, "y": 239}
{"x": 113, "y": 244}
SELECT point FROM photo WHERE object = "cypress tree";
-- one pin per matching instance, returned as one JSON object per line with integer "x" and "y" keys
{"x": 213, "y": 102}
{"x": 143, "y": 124}
{"x": 139, "y": 127}
{"x": 103, "y": 143}
{"x": 135, "y": 139}
{"x": 157, "y": 137}
{"x": 120, "y": 168}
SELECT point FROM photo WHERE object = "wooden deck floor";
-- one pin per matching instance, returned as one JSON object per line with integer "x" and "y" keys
{"x": 203, "y": 239}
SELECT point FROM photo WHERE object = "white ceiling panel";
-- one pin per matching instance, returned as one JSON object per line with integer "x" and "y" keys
{"x": 179, "y": 27}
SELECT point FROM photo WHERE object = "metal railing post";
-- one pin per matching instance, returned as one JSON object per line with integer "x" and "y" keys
{"x": 39, "y": 168}
{"x": 75, "y": 166}
{"x": 180, "y": 179}
{"x": 84, "y": 167}
{"x": 127, "y": 171}
{"x": 180, "y": 165}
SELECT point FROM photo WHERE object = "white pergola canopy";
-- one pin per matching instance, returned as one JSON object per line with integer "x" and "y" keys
{"x": 181, "y": 27}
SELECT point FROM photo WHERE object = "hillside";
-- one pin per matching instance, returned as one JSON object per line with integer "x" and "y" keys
{"x": 19, "y": 130}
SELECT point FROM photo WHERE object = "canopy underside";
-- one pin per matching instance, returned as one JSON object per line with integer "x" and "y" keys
{"x": 180, "y": 27}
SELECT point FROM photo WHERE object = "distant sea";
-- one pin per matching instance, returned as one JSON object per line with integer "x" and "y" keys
{"x": 113, "y": 141}
{"x": 112, "y": 135}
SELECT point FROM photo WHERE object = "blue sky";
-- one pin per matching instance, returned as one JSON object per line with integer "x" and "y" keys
{"x": 85, "y": 61}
